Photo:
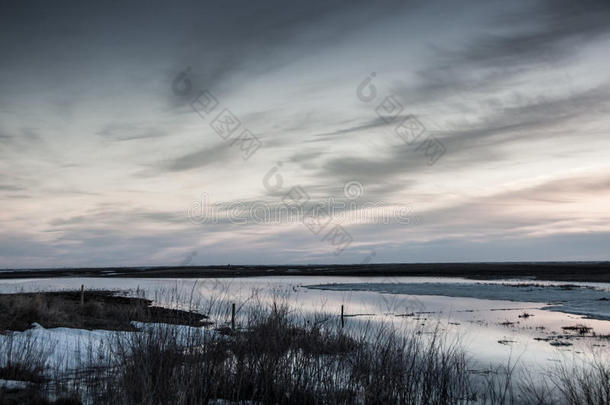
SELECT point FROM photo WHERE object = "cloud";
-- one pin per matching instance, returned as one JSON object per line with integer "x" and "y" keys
{"x": 514, "y": 91}
{"x": 128, "y": 132}
{"x": 104, "y": 217}
{"x": 374, "y": 123}
{"x": 550, "y": 30}
{"x": 256, "y": 38}
{"x": 10, "y": 187}
{"x": 568, "y": 189}
{"x": 530, "y": 116}
{"x": 551, "y": 207}
{"x": 218, "y": 153}
{"x": 524, "y": 38}
{"x": 469, "y": 144}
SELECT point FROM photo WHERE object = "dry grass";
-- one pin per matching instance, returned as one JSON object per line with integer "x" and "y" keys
{"x": 279, "y": 356}
{"x": 101, "y": 310}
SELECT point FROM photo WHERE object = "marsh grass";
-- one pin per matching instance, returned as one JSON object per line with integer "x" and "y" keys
{"x": 278, "y": 355}
{"x": 583, "y": 385}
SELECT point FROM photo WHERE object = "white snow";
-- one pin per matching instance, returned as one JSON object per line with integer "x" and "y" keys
{"x": 13, "y": 384}
{"x": 62, "y": 347}
{"x": 71, "y": 348}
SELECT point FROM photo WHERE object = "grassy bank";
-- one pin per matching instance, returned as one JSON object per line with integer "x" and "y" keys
{"x": 96, "y": 309}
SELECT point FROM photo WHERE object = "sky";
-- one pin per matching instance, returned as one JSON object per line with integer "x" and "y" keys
{"x": 277, "y": 132}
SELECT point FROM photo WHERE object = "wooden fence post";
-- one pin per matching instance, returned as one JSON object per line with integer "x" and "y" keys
{"x": 82, "y": 295}
{"x": 342, "y": 320}
{"x": 233, "y": 316}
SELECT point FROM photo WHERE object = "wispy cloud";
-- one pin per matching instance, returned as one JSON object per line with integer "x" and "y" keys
{"x": 98, "y": 154}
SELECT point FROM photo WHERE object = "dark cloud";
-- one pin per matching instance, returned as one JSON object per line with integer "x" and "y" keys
{"x": 533, "y": 36}
{"x": 218, "y": 40}
{"x": 305, "y": 156}
{"x": 231, "y": 38}
{"x": 200, "y": 158}
{"x": 116, "y": 217}
{"x": 550, "y": 30}
{"x": 472, "y": 144}
{"x": 374, "y": 123}
{"x": 24, "y": 139}
{"x": 9, "y": 187}
{"x": 5, "y": 138}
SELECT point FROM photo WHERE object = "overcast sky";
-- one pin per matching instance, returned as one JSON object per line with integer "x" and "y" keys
{"x": 112, "y": 152}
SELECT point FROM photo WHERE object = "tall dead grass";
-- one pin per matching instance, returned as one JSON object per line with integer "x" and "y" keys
{"x": 277, "y": 355}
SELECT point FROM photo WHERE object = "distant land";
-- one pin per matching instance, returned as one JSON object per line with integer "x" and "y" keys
{"x": 550, "y": 271}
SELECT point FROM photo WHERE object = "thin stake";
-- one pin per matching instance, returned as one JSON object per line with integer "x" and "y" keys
{"x": 342, "y": 320}
{"x": 233, "y": 316}
{"x": 82, "y": 295}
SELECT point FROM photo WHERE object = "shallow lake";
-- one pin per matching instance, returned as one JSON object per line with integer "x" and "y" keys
{"x": 534, "y": 323}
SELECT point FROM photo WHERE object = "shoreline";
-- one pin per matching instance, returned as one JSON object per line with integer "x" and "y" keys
{"x": 541, "y": 271}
